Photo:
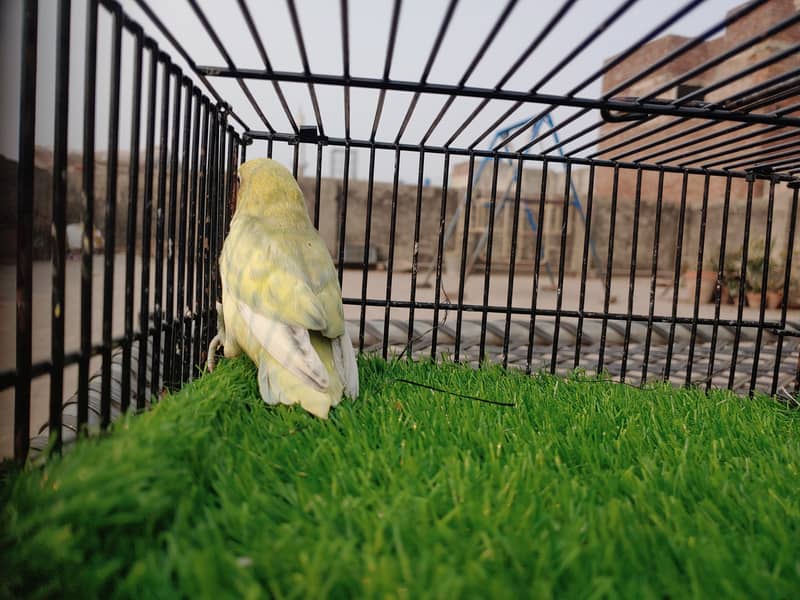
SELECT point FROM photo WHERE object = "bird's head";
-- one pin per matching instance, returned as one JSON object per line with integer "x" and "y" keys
{"x": 266, "y": 189}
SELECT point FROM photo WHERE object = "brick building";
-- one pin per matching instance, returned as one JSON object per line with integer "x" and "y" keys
{"x": 664, "y": 138}
{"x": 631, "y": 146}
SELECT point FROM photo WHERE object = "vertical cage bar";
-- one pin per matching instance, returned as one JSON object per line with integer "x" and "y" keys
{"x": 183, "y": 226}
{"x": 214, "y": 222}
{"x": 25, "y": 170}
{"x": 202, "y": 198}
{"x": 561, "y": 261}
{"x": 720, "y": 272}
{"x": 701, "y": 246}
{"x": 111, "y": 219}
{"x": 440, "y": 256}
{"x": 221, "y": 210}
{"x": 653, "y": 276}
{"x": 365, "y": 265}
{"x": 170, "y": 353}
{"x": 189, "y": 314}
{"x": 230, "y": 174}
{"x": 786, "y": 281}
{"x": 632, "y": 275}
{"x": 390, "y": 263}
{"x": 343, "y": 211}
{"x": 87, "y": 209}
{"x": 512, "y": 263}
{"x": 58, "y": 245}
{"x": 130, "y": 233}
{"x": 537, "y": 266}
{"x": 764, "y": 280}
{"x": 462, "y": 274}
{"x": 587, "y": 227}
{"x": 295, "y": 159}
{"x": 742, "y": 281}
{"x": 233, "y": 173}
{"x": 487, "y": 270}
{"x": 317, "y": 185}
{"x": 415, "y": 253}
{"x": 206, "y": 223}
{"x": 158, "y": 301}
{"x": 609, "y": 270}
{"x": 147, "y": 224}
{"x": 676, "y": 280}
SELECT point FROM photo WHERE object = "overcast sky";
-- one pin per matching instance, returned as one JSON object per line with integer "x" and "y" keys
{"x": 320, "y": 22}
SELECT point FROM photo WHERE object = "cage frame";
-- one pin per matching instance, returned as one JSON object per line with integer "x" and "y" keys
{"x": 204, "y": 175}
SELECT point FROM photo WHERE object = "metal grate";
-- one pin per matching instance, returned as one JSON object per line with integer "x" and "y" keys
{"x": 546, "y": 210}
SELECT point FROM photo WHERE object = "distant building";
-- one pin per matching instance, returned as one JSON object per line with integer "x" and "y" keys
{"x": 761, "y": 19}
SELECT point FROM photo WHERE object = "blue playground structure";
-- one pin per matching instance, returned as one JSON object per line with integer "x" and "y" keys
{"x": 499, "y": 136}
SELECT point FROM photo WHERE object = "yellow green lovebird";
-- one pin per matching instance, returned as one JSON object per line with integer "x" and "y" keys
{"x": 281, "y": 300}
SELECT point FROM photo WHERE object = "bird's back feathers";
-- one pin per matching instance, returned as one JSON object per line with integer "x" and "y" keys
{"x": 282, "y": 303}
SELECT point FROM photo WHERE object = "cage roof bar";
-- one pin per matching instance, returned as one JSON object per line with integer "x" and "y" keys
{"x": 702, "y": 91}
{"x": 671, "y": 20}
{"x": 631, "y": 50}
{"x": 133, "y": 26}
{"x": 358, "y": 143}
{"x": 221, "y": 47}
{"x": 705, "y": 90}
{"x": 343, "y": 12}
{"x": 679, "y": 14}
{"x": 763, "y": 153}
{"x": 681, "y": 50}
{"x": 682, "y": 133}
{"x": 475, "y": 61}
{"x": 690, "y": 44}
{"x": 766, "y": 91}
{"x": 747, "y": 135}
{"x": 658, "y": 142}
{"x": 387, "y": 65}
{"x": 298, "y": 33}
{"x": 262, "y": 51}
{"x": 431, "y": 58}
{"x": 587, "y": 41}
{"x": 551, "y": 24}
{"x": 619, "y": 105}
{"x": 769, "y": 160}
{"x": 748, "y": 43}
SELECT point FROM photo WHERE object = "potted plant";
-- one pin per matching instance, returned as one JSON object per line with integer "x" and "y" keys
{"x": 793, "y": 299}
{"x": 731, "y": 276}
{"x": 757, "y": 260}
{"x": 708, "y": 281}
{"x": 775, "y": 281}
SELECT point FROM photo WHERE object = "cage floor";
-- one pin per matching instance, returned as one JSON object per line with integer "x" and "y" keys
{"x": 732, "y": 363}
{"x": 634, "y": 363}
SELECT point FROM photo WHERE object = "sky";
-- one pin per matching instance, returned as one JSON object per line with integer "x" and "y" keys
{"x": 320, "y": 22}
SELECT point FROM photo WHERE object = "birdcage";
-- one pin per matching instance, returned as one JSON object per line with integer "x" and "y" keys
{"x": 543, "y": 185}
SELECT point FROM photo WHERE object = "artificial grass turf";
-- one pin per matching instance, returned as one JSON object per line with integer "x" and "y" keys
{"x": 583, "y": 489}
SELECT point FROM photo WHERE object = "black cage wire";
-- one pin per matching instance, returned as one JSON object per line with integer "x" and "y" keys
{"x": 638, "y": 221}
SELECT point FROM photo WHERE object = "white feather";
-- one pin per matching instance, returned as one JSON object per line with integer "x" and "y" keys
{"x": 290, "y": 346}
{"x": 263, "y": 383}
{"x": 344, "y": 359}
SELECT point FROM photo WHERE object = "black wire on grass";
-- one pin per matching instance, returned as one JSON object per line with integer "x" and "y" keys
{"x": 464, "y": 396}
{"x": 433, "y": 388}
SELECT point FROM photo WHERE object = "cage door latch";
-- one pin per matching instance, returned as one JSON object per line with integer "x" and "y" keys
{"x": 307, "y": 134}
